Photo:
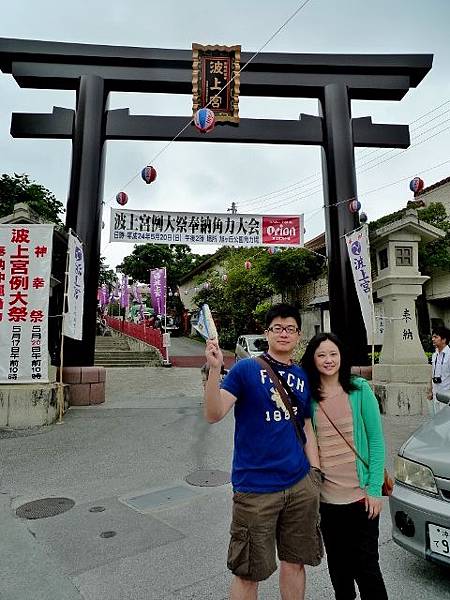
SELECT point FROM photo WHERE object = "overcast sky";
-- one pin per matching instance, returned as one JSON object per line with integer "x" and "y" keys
{"x": 209, "y": 176}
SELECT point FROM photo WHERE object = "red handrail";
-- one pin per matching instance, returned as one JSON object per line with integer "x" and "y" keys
{"x": 140, "y": 331}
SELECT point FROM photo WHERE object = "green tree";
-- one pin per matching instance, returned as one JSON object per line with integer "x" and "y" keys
{"x": 106, "y": 275}
{"x": 178, "y": 260}
{"x": 435, "y": 255}
{"x": 238, "y": 302}
{"x": 292, "y": 269}
{"x": 432, "y": 255}
{"x": 19, "y": 188}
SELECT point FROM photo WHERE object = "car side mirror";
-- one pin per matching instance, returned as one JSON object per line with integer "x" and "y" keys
{"x": 443, "y": 397}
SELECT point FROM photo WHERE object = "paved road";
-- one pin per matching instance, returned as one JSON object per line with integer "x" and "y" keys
{"x": 136, "y": 450}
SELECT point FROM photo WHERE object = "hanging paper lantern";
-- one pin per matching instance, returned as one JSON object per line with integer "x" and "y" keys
{"x": 225, "y": 277}
{"x": 271, "y": 250}
{"x": 416, "y": 185}
{"x": 204, "y": 120}
{"x": 248, "y": 265}
{"x": 148, "y": 174}
{"x": 363, "y": 217}
{"x": 122, "y": 198}
{"x": 354, "y": 206}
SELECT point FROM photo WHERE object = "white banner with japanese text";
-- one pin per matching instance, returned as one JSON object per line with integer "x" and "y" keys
{"x": 73, "y": 318}
{"x": 25, "y": 267}
{"x": 359, "y": 255}
{"x": 206, "y": 228}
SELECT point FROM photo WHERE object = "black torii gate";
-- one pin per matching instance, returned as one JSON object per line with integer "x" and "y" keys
{"x": 334, "y": 79}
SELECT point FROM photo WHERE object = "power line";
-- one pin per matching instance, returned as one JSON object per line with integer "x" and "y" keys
{"x": 280, "y": 28}
{"x": 295, "y": 185}
{"x": 283, "y": 201}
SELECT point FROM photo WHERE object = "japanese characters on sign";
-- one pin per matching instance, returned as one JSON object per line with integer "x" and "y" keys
{"x": 213, "y": 70}
{"x": 25, "y": 265}
{"x": 73, "y": 318}
{"x": 359, "y": 255}
{"x": 406, "y": 318}
{"x": 206, "y": 228}
{"x": 158, "y": 290}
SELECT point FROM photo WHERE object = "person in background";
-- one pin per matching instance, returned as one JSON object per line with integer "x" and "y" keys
{"x": 274, "y": 476}
{"x": 440, "y": 366}
{"x": 346, "y": 420}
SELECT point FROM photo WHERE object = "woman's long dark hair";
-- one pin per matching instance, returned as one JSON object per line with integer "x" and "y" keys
{"x": 307, "y": 362}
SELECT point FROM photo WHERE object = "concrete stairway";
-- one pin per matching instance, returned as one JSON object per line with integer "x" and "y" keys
{"x": 116, "y": 352}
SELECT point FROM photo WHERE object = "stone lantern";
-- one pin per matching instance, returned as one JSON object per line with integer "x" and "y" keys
{"x": 403, "y": 373}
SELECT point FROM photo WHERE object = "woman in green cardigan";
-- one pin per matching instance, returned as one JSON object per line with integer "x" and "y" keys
{"x": 346, "y": 418}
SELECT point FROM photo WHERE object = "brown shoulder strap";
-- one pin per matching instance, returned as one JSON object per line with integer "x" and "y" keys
{"x": 343, "y": 437}
{"x": 283, "y": 393}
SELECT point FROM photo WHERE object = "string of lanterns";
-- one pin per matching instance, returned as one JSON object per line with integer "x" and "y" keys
{"x": 204, "y": 121}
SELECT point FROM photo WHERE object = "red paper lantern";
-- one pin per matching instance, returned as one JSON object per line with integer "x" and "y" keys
{"x": 204, "y": 119}
{"x": 122, "y": 198}
{"x": 148, "y": 174}
{"x": 416, "y": 185}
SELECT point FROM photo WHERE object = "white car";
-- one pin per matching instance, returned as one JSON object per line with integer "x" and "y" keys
{"x": 248, "y": 346}
{"x": 420, "y": 502}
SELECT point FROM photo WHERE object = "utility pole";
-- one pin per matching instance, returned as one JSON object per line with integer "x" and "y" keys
{"x": 233, "y": 208}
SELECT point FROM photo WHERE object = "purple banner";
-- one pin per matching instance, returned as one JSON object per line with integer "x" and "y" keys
{"x": 125, "y": 295}
{"x": 158, "y": 290}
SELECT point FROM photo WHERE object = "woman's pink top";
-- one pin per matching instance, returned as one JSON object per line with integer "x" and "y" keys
{"x": 337, "y": 460}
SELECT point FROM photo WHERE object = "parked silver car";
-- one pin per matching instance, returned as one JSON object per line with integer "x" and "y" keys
{"x": 250, "y": 345}
{"x": 420, "y": 503}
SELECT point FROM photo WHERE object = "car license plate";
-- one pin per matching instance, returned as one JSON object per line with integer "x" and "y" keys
{"x": 439, "y": 539}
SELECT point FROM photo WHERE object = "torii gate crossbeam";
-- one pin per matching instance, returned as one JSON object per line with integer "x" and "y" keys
{"x": 94, "y": 71}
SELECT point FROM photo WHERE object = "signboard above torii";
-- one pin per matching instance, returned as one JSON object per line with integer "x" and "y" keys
{"x": 156, "y": 227}
{"x": 216, "y": 80}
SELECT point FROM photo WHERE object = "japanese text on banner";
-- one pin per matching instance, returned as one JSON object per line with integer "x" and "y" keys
{"x": 73, "y": 319}
{"x": 359, "y": 255}
{"x": 25, "y": 265}
{"x": 206, "y": 228}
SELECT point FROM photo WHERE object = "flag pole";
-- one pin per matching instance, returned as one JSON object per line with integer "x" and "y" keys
{"x": 60, "y": 388}
{"x": 165, "y": 317}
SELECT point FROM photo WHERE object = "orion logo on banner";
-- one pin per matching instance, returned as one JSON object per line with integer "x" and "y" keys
{"x": 282, "y": 230}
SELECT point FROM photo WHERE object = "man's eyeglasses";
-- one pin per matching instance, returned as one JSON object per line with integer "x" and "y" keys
{"x": 290, "y": 329}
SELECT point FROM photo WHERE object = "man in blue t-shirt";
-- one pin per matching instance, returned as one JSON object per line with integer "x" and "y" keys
{"x": 276, "y": 479}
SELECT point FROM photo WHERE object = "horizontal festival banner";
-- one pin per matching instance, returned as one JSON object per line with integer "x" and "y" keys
{"x": 206, "y": 228}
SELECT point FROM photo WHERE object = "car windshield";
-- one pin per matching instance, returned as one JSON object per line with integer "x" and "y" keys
{"x": 256, "y": 344}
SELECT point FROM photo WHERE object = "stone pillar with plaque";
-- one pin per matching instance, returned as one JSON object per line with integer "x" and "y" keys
{"x": 403, "y": 373}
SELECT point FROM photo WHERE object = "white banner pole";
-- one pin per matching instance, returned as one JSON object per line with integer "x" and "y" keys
{"x": 61, "y": 354}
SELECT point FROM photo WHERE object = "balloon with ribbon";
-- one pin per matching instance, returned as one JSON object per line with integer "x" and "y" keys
{"x": 204, "y": 120}
{"x": 416, "y": 185}
{"x": 148, "y": 174}
{"x": 122, "y": 198}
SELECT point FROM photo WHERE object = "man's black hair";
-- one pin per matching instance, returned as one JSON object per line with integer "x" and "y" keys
{"x": 442, "y": 332}
{"x": 284, "y": 311}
